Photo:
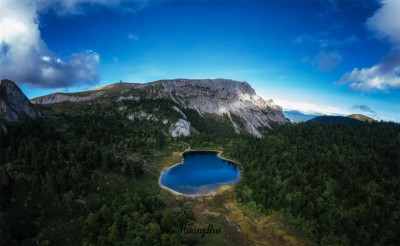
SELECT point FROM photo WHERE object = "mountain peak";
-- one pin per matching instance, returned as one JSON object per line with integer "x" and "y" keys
{"x": 9, "y": 85}
{"x": 218, "y": 83}
{"x": 13, "y": 102}
{"x": 361, "y": 117}
{"x": 206, "y": 96}
{"x": 220, "y": 97}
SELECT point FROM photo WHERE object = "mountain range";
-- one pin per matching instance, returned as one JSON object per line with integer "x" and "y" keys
{"x": 297, "y": 116}
{"x": 97, "y": 156}
{"x": 236, "y": 100}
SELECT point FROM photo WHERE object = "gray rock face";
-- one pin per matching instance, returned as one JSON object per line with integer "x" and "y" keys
{"x": 220, "y": 96}
{"x": 62, "y": 97}
{"x": 117, "y": 88}
{"x": 13, "y": 102}
{"x": 206, "y": 96}
{"x": 181, "y": 128}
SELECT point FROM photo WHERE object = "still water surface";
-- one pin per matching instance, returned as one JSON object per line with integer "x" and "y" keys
{"x": 200, "y": 172}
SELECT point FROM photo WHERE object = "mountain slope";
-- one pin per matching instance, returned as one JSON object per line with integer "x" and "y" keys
{"x": 222, "y": 97}
{"x": 297, "y": 116}
{"x": 332, "y": 119}
{"x": 13, "y": 102}
{"x": 361, "y": 117}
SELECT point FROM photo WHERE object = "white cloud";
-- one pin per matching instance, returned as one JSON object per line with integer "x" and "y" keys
{"x": 134, "y": 37}
{"x": 318, "y": 109}
{"x": 385, "y": 75}
{"x": 46, "y": 58}
{"x": 382, "y": 76}
{"x": 24, "y": 55}
{"x": 386, "y": 20}
{"x": 25, "y": 58}
{"x": 309, "y": 108}
{"x": 62, "y": 90}
{"x": 64, "y": 7}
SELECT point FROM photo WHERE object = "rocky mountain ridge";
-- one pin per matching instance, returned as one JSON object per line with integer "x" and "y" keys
{"x": 220, "y": 96}
{"x": 206, "y": 96}
{"x": 13, "y": 102}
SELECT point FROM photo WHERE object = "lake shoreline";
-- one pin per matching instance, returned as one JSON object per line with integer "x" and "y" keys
{"x": 212, "y": 192}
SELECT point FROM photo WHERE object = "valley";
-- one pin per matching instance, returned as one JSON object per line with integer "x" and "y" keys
{"x": 85, "y": 171}
{"x": 199, "y": 123}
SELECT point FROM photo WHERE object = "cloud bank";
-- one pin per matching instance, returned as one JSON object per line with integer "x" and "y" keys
{"x": 64, "y": 7}
{"x": 134, "y": 37}
{"x": 24, "y": 55}
{"x": 309, "y": 108}
{"x": 386, "y": 21}
{"x": 385, "y": 75}
{"x": 25, "y": 58}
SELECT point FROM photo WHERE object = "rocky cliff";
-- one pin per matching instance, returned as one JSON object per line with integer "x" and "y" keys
{"x": 220, "y": 96}
{"x": 206, "y": 96}
{"x": 13, "y": 102}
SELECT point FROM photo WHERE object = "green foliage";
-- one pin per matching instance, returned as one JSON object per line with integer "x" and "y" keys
{"x": 337, "y": 182}
{"x": 166, "y": 221}
{"x": 210, "y": 126}
{"x": 78, "y": 177}
{"x": 81, "y": 176}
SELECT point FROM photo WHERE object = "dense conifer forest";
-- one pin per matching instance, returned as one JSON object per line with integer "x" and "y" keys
{"x": 78, "y": 178}
{"x": 338, "y": 182}
{"x": 82, "y": 176}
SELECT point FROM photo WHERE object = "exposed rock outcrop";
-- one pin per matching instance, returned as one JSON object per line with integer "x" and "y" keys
{"x": 220, "y": 96}
{"x": 13, "y": 102}
{"x": 63, "y": 97}
{"x": 118, "y": 88}
{"x": 181, "y": 128}
{"x": 206, "y": 96}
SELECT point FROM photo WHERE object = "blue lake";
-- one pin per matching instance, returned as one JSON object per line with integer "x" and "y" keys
{"x": 200, "y": 173}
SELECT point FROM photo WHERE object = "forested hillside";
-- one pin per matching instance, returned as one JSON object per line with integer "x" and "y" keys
{"x": 338, "y": 182}
{"x": 87, "y": 174}
{"x": 79, "y": 178}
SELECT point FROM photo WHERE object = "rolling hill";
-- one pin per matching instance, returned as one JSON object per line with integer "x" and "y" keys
{"x": 332, "y": 119}
{"x": 361, "y": 117}
{"x": 297, "y": 116}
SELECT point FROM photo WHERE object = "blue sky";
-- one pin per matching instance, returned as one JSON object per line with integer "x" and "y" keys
{"x": 334, "y": 57}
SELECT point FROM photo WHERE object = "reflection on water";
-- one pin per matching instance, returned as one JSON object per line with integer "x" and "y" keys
{"x": 200, "y": 172}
